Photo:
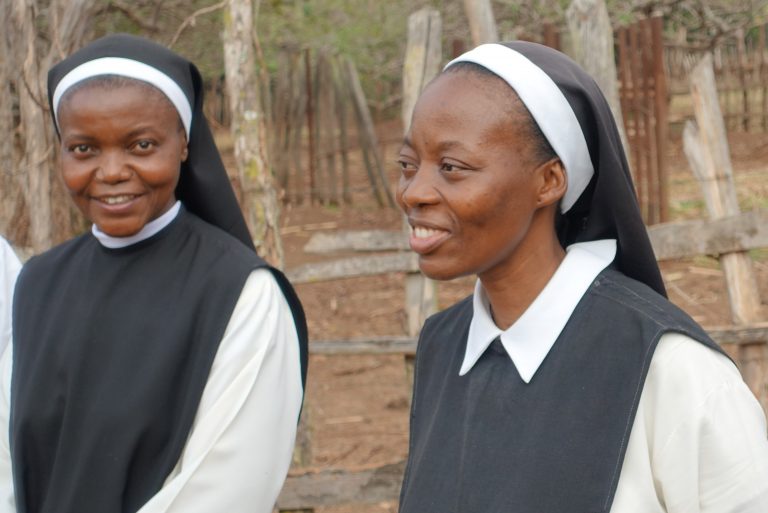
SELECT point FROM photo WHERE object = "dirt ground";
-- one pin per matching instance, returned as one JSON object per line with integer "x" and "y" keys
{"x": 357, "y": 406}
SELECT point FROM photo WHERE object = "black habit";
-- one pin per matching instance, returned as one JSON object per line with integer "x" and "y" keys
{"x": 111, "y": 356}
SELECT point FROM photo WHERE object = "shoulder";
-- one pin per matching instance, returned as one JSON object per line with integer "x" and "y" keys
{"x": 633, "y": 301}
{"x": 219, "y": 242}
{"x": 684, "y": 365}
{"x": 57, "y": 258}
{"x": 450, "y": 319}
{"x": 689, "y": 386}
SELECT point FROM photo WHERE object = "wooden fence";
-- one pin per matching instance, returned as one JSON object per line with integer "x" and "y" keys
{"x": 643, "y": 97}
{"x": 317, "y": 115}
{"x": 741, "y": 71}
{"x": 309, "y": 489}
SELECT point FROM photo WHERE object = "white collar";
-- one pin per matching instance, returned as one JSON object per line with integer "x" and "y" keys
{"x": 146, "y": 232}
{"x": 530, "y": 338}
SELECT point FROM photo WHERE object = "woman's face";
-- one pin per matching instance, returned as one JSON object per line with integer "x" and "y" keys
{"x": 121, "y": 152}
{"x": 470, "y": 185}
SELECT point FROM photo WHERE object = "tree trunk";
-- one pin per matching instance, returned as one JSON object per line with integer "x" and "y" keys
{"x": 10, "y": 191}
{"x": 67, "y": 23}
{"x": 248, "y": 131}
{"x": 592, "y": 47}
{"x": 38, "y": 149}
{"x": 482, "y": 24}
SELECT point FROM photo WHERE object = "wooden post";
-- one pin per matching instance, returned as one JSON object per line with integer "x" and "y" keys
{"x": 706, "y": 147}
{"x": 312, "y": 155}
{"x": 651, "y": 150}
{"x": 422, "y": 62}
{"x": 368, "y": 139}
{"x": 457, "y": 48}
{"x": 625, "y": 93}
{"x": 762, "y": 77}
{"x": 741, "y": 67}
{"x": 640, "y": 168}
{"x": 661, "y": 115}
{"x": 320, "y": 187}
{"x": 341, "y": 96}
{"x": 551, "y": 35}
{"x": 423, "y": 57}
{"x": 299, "y": 101}
{"x": 482, "y": 24}
{"x": 592, "y": 46}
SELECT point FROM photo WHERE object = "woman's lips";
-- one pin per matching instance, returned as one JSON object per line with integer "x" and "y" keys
{"x": 117, "y": 202}
{"x": 423, "y": 240}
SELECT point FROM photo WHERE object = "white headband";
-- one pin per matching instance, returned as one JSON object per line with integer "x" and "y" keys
{"x": 131, "y": 69}
{"x": 549, "y": 109}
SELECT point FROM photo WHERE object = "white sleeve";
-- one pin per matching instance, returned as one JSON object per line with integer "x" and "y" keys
{"x": 699, "y": 442}
{"x": 9, "y": 271}
{"x": 240, "y": 447}
{"x": 7, "y": 498}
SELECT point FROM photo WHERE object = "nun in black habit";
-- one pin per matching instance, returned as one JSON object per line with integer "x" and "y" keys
{"x": 567, "y": 382}
{"x": 157, "y": 363}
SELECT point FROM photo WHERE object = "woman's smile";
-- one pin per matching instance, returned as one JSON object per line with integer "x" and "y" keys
{"x": 425, "y": 239}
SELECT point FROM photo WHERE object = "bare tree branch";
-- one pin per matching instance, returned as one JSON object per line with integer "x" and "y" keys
{"x": 129, "y": 11}
{"x": 190, "y": 21}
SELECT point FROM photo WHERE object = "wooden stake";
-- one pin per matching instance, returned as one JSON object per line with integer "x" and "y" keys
{"x": 661, "y": 115}
{"x": 482, "y": 24}
{"x": 368, "y": 133}
{"x": 706, "y": 146}
{"x": 422, "y": 63}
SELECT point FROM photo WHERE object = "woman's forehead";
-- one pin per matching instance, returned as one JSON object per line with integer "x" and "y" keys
{"x": 467, "y": 103}
{"x": 132, "y": 103}
{"x": 115, "y": 88}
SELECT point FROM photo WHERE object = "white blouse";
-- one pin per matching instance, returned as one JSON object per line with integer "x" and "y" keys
{"x": 241, "y": 442}
{"x": 9, "y": 271}
{"x": 698, "y": 443}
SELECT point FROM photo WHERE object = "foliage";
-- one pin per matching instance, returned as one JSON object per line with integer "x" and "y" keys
{"x": 373, "y": 33}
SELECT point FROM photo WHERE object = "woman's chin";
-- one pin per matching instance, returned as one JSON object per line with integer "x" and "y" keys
{"x": 439, "y": 272}
{"x": 119, "y": 229}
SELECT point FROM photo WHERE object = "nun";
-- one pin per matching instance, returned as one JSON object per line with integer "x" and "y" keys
{"x": 566, "y": 382}
{"x": 9, "y": 270}
{"x": 157, "y": 362}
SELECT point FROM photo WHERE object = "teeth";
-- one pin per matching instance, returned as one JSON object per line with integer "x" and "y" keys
{"x": 115, "y": 200}
{"x": 423, "y": 233}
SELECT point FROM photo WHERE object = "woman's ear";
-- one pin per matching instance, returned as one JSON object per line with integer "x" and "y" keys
{"x": 554, "y": 182}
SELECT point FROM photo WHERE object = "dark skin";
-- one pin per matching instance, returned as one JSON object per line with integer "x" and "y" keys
{"x": 475, "y": 195}
{"x": 121, "y": 153}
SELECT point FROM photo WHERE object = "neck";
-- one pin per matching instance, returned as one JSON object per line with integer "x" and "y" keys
{"x": 512, "y": 289}
{"x": 149, "y": 229}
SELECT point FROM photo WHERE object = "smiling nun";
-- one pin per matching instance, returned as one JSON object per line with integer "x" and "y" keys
{"x": 567, "y": 383}
{"x": 157, "y": 362}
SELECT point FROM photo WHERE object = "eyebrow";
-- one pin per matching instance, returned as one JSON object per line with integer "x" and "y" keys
{"x": 139, "y": 130}
{"x": 441, "y": 146}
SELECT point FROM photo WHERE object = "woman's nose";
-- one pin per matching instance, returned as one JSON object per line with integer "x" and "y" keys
{"x": 113, "y": 168}
{"x": 418, "y": 190}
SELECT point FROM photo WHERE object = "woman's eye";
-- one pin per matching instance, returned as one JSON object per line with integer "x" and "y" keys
{"x": 80, "y": 149}
{"x": 448, "y": 167}
{"x": 406, "y": 166}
